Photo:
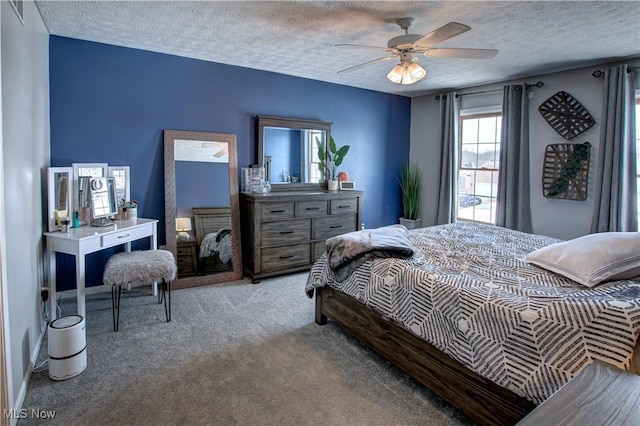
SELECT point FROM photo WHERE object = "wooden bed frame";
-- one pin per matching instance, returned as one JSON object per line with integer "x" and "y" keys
{"x": 479, "y": 398}
{"x": 211, "y": 219}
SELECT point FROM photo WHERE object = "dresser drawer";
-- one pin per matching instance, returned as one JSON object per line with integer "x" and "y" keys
{"x": 275, "y": 211}
{"x": 311, "y": 208}
{"x": 330, "y": 226}
{"x": 347, "y": 205}
{"x": 318, "y": 250}
{"x": 124, "y": 236}
{"x": 285, "y": 232}
{"x": 277, "y": 258}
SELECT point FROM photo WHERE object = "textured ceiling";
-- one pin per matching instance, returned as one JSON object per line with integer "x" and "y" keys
{"x": 298, "y": 38}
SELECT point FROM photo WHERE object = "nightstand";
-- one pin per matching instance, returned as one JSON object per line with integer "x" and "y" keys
{"x": 187, "y": 258}
{"x": 600, "y": 394}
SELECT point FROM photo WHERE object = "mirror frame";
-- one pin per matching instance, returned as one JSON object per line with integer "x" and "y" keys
{"x": 290, "y": 123}
{"x": 170, "y": 137}
{"x": 127, "y": 179}
{"x": 51, "y": 173}
{"x": 76, "y": 176}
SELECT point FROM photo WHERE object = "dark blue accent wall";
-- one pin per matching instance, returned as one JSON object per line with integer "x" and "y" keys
{"x": 285, "y": 151}
{"x": 110, "y": 104}
{"x": 201, "y": 185}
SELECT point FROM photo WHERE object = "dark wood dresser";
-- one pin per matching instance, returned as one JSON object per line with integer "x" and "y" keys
{"x": 187, "y": 259}
{"x": 285, "y": 232}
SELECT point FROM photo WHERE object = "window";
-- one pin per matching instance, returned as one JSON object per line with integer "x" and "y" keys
{"x": 312, "y": 156}
{"x": 478, "y": 168}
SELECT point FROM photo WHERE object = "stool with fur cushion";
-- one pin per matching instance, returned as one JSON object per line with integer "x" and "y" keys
{"x": 140, "y": 266}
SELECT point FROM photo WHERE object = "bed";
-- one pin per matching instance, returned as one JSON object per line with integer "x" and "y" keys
{"x": 470, "y": 319}
{"x": 213, "y": 237}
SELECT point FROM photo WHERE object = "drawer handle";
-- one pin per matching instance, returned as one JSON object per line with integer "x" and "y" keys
{"x": 276, "y": 211}
{"x": 313, "y": 208}
{"x": 123, "y": 236}
{"x": 286, "y": 257}
{"x": 336, "y": 226}
{"x": 344, "y": 207}
{"x": 287, "y": 232}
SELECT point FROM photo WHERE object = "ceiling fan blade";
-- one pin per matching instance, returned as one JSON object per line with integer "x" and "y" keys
{"x": 375, "y": 61}
{"x": 221, "y": 153}
{"x": 461, "y": 53}
{"x": 441, "y": 34}
{"x": 362, "y": 46}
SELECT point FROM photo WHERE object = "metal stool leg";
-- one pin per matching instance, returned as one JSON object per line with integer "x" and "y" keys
{"x": 166, "y": 286}
{"x": 116, "y": 291}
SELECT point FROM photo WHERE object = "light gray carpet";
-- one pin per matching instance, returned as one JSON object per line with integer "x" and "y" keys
{"x": 233, "y": 353}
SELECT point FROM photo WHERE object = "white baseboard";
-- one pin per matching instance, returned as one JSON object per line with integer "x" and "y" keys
{"x": 22, "y": 392}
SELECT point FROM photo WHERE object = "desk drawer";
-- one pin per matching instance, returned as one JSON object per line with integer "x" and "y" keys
{"x": 330, "y": 226}
{"x": 275, "y": 211}
{"x": 348, "y": 205}
{"x": 285, "y": 232}
{"x": 124, "y": 236}
{"x": 277, "y": 258}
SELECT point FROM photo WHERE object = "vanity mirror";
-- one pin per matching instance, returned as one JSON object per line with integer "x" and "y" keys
{"x": 201, "y": 191}
{"x": 59, "y": 200}
{"x": 287, "y": 150}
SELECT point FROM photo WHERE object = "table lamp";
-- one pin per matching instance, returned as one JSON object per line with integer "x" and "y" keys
{"x": 183, "y": 225}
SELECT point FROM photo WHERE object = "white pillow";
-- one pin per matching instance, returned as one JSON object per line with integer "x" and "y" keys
{"x": 592, "y": 259}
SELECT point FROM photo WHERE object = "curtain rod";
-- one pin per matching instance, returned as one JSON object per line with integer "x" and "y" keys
{"x": 600, "y": 73}
{"x": 537, "y": 84}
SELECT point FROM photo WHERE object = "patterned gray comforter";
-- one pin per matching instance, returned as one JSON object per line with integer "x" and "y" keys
{"x": 468, "y": 291}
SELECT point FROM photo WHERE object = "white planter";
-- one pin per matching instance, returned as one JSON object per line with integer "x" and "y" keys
{"x": 332, "y": 185}
{"x": 411, "y": 224}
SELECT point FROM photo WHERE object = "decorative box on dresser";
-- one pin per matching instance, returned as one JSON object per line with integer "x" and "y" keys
{"x": 285, "y": 232}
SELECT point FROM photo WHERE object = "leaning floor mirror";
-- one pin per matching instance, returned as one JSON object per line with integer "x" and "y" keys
{"x": 202, "y": 219}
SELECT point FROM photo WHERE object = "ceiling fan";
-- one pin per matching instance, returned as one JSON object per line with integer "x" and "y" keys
{"x": 222, "y": 148}
{"x": 407, "y": 46}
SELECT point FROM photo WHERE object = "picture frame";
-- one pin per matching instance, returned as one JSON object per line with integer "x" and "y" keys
{"x": 122, "y": 175}
{"x": 85, "y": 170}
{"x": 59, "y": 182}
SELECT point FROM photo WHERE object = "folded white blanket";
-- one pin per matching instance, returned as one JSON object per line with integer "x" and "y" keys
{"x": 348, "y": 251}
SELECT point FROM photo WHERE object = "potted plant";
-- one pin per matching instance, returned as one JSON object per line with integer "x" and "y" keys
{"x": 411, "y": 185}
{"x": 333, "y": 157}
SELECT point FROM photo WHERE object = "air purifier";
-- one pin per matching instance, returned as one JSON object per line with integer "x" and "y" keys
{"x": 67, "y": 347}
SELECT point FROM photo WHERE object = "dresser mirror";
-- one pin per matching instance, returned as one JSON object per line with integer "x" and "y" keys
{"x": 288, "y": 151}
{"x": 202, "y": 220}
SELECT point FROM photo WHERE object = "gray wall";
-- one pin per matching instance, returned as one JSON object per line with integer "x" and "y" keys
{"x": 25, "y": 154}
{"x": 558, "y": 218}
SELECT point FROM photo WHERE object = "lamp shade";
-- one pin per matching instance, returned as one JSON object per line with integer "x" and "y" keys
{"x": 406, "y": 72}
{"x": 183, "y": 224}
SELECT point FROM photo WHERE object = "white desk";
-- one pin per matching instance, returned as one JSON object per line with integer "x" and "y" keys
{"x": 88, "y": 239}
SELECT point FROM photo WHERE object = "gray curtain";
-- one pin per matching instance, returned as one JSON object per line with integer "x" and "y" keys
{"x": 448, "y": 183}
{"x": 616, "y": 201}
{"x": 513, "y": 200}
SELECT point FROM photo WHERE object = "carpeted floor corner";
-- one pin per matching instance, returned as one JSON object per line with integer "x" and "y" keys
{"x": 234, "y": 353}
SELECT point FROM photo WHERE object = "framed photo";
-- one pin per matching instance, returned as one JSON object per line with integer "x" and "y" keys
{"x": 85, "y": 170}
{"x": 18, "y": 7}
{"x": 122, "y": 177}
{"x": 59, "y": 194}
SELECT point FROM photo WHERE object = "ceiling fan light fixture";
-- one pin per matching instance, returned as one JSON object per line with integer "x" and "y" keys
{"x": 406, "y": 72}
{"x": 395, "y": 75}
{"x": 416, "y": 71}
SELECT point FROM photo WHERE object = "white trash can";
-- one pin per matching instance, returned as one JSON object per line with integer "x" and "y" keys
{"x": 67, "y": 347}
